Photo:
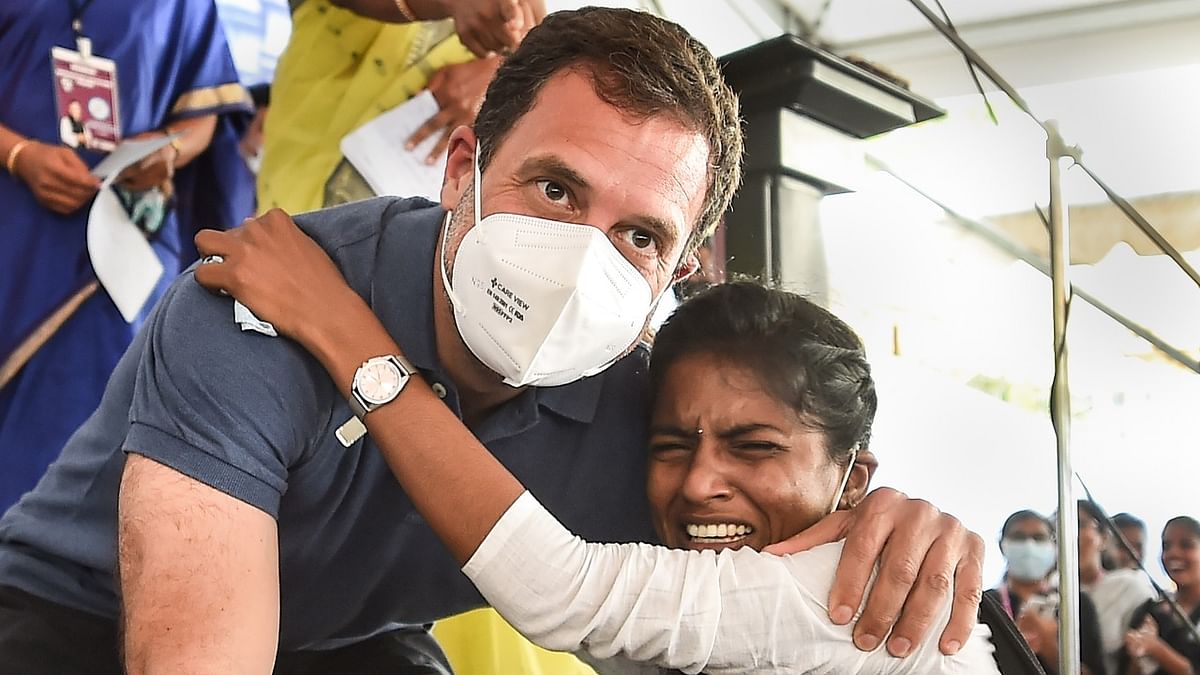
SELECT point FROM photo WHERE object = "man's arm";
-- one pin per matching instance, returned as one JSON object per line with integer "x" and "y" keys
{"x": 199, "y": 576}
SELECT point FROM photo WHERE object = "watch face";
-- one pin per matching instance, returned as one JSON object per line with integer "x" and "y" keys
{"x": 378, "y": 381}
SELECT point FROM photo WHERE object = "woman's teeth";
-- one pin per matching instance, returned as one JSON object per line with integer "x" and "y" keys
{"x": 718, "y": 533}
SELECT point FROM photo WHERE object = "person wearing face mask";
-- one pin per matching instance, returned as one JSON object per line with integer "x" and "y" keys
{"x": 1030, "y": 555}
{"x": 1158, "y": 642}
{"x": 253, "y": 524}
{"x": 763, "y": 407}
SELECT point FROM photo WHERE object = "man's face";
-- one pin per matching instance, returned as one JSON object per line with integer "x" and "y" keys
{"x": 726, "y": 454}
{"x": 576, "y": 159}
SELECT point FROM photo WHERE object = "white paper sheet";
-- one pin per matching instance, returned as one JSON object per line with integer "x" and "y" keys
{"x": 247, "y": 321}
{"x": 124, "y": 262}
{"x": 376, "y": 149}
{"x": 127, "y": 154}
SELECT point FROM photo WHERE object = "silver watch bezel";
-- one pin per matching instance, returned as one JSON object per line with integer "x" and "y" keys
{"x": 360, "y": 403}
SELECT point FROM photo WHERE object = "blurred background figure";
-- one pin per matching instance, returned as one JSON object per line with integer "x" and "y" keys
{"x": 60, "y": 332}
{"x": 251, "y": 144}
{"x": 1157, "y": 642}
{"x": 1117, "y": 594}
{"x": 348, "y": 62}
{"x": 1026, "y": 594}
{"x": 1134, "y": 531}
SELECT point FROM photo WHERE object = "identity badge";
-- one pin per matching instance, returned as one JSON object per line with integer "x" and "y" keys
{"x": 85, "y": 89}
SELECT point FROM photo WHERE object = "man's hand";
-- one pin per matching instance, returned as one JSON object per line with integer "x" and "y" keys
{"x": 923, "y": 555}
{"x": 458, "y": 89}
{"x": 60, "y": 181}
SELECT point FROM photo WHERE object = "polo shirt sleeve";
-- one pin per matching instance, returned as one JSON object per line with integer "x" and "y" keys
{"x": 228, "y": 408}
{"x": 734, "y": 612}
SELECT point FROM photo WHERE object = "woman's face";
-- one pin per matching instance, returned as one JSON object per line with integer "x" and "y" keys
{"x": 1029, "y": 529}
{"x": 1181, "y": 554}
{"x": 732, "y": 466}
{"x": 1091, "y": 537}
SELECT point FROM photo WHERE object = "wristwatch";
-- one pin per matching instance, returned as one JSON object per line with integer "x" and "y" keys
{"x": 378, "y": 381}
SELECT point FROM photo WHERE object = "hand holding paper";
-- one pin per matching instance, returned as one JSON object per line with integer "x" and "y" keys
{"x": 129, "y": 153}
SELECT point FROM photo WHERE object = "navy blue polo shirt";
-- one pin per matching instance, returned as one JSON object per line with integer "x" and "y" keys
{"x": 255, "y": 416}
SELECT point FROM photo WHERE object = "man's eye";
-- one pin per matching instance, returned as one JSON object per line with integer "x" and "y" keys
{"x": 641, "y": 240}
{"x": 553, "y": 191}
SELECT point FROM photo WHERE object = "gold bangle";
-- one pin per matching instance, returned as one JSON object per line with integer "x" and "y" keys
{"x": 175, "y": 144}
{"x": 406, "y": 11}
{"x": 13, "y": 153}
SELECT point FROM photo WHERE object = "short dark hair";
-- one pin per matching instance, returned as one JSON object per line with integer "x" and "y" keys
{"x": 1025, "y": 514}
{"x": 802, "y": 354}
{"x": 640, "y": 64}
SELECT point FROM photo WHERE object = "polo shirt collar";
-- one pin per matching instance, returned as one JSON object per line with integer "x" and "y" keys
{"x": 402, "y": 298}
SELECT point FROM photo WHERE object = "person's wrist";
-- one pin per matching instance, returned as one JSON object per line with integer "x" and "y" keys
{"x": 1154, "y": 647}
{"x": 14, "y": 154}
{"x": 329, "y": 333}
{"x": 174, "y": 144}
{"x": 425, "y": 10}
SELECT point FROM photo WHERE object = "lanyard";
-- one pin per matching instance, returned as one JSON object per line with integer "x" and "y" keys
{"x": 77, "y": 10}
{"x": 1006, "y": 601}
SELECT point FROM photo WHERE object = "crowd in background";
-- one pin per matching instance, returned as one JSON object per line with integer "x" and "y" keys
{"x": 1125, "y": 626}
{"x": 346, "y": 63}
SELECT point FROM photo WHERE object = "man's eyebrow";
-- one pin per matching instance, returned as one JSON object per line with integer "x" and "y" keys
{"x": 554, "y": 167}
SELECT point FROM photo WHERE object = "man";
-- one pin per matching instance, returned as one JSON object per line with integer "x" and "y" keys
{"x": 246, "y": 528}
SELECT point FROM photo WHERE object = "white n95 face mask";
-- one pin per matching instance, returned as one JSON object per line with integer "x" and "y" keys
{"x": 543, "y": 302}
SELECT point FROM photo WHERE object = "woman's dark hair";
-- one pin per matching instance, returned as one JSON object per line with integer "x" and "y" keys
{"x": 1187, "y": 522}
{"x": 1095, "y": 513}
{"x": 640, "y": 64}
{"x": 802, "y": 354}
{"x": 1025, "y": 514}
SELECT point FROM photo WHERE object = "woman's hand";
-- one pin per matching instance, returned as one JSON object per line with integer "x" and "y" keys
{"x": 924, "y": 556}
{"x": 1041, "y": 632}
{"x": 458, "y": 89}
{"x": 154, "y": 170}
{"x": 59, "y": 180}
{"x": 1143, "y": 640}
{"x": 280, "y": 274}
{"x": 495, "y": 26}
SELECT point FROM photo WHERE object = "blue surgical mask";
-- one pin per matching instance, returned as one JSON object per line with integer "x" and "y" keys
{"x": 1028, "y": 559}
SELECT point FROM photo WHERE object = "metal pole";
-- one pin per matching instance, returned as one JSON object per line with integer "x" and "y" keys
{"x": 1060, "y": 409}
